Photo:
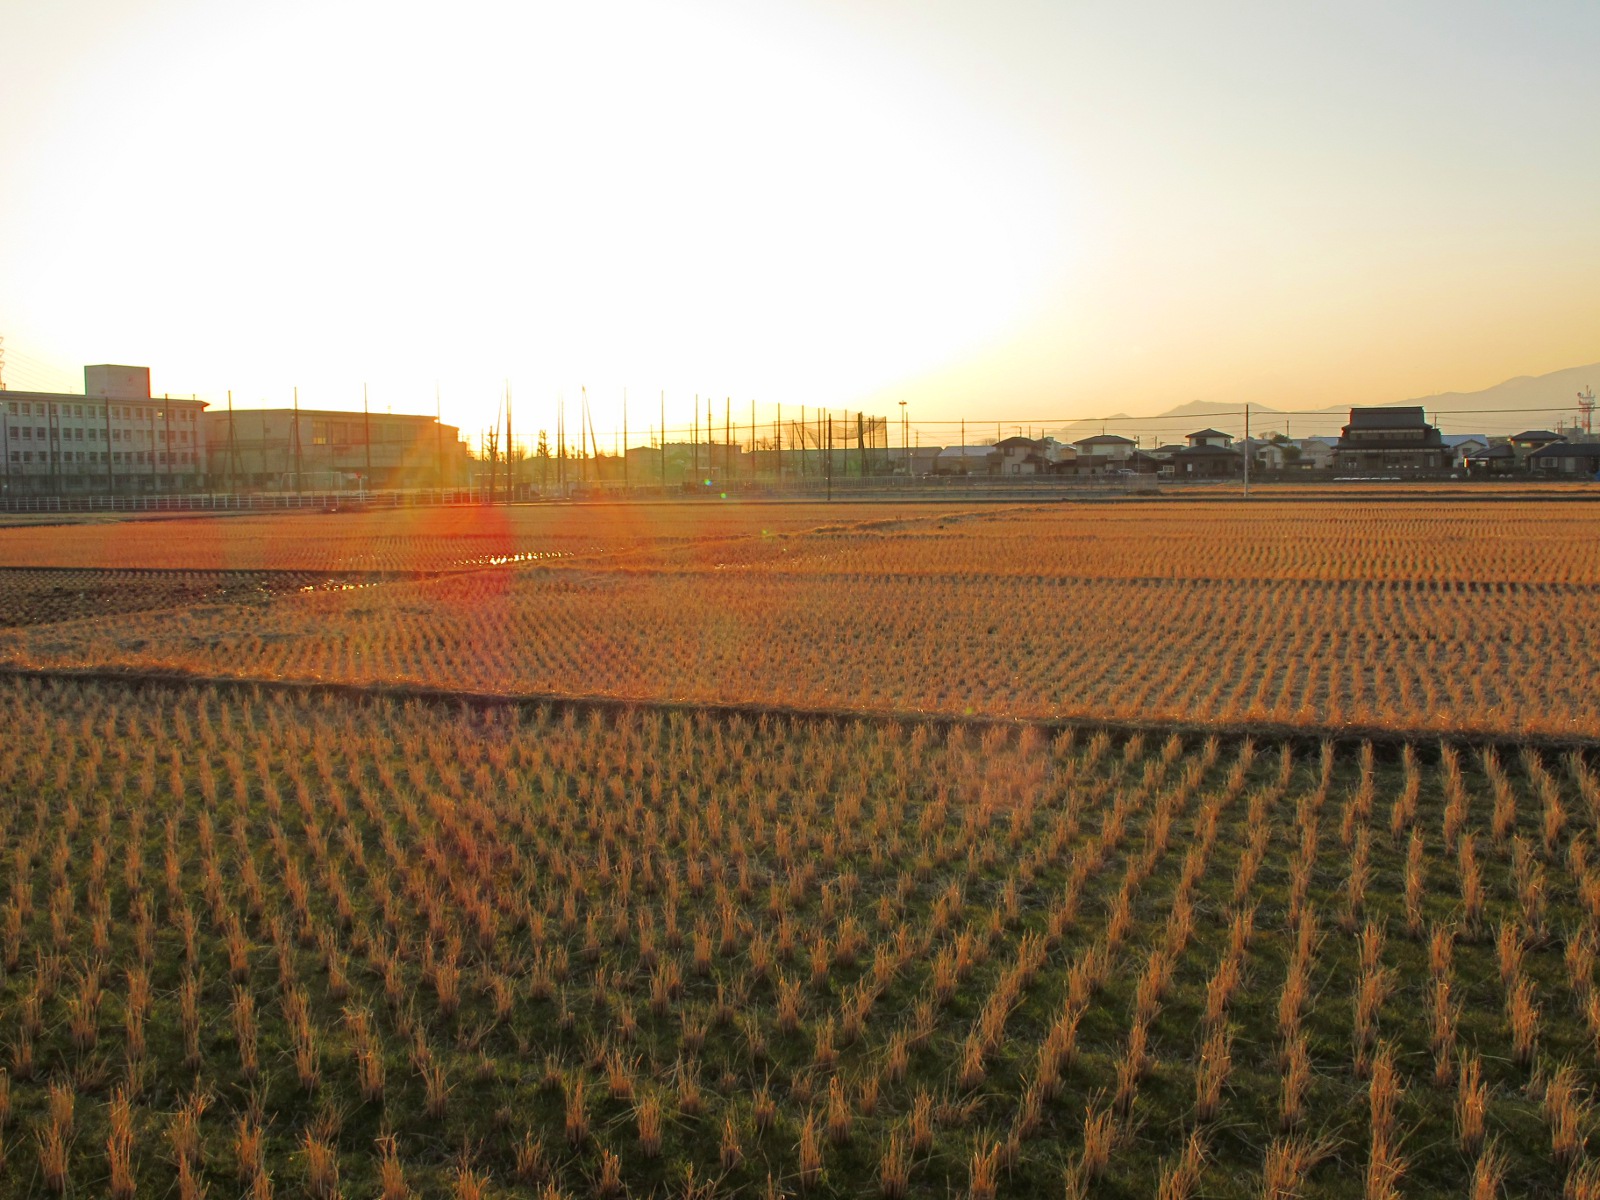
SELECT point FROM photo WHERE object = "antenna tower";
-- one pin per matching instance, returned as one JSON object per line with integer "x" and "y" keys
{"x": 1585, "y": 404}
{"x": 2, "y": 364}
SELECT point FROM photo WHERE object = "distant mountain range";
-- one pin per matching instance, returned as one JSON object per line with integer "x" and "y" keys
{"x": 1526, "y": 402}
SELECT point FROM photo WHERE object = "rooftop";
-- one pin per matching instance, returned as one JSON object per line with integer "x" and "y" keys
{"x": 1406, "y": 416}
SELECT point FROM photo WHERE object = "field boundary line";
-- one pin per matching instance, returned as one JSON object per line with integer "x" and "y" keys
{"x": 1308, "y": 735}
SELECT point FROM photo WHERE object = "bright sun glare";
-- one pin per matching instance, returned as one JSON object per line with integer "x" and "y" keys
{"x": 600, "y": 194}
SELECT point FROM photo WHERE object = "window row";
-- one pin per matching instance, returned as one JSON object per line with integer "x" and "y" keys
{"x": 128, "y": 457}
{"x": 121, "y": 412}
{"x": 28, "y": 433}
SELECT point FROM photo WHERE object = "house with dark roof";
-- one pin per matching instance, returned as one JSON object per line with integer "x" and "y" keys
{"x": 1210, "y": 437}
{"x": 1390, "y": 439}
{"x": 1566, "y": 458}
{"x": 1081, "y": 464}
{"x": 1207, "y": 462}
{"x": 1495, "y": 459}
{"x": 1526, "y": 443}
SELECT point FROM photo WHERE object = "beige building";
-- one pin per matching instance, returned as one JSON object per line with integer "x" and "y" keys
{"x": 115, "y": 437}
{"x": 285, "y": 449}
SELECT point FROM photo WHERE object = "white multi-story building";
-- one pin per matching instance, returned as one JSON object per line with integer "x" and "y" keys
{"x": 115, "y": 437}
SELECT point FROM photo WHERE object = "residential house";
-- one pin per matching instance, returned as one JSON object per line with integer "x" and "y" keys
{"x": 1083, "y": 464}
{"x": 1277, "y": 456}
{"x": 1529, "y": 441}
{"x": 1463, "y": 446}
{"x": 1379, "y": 440}
{"x": 1211, "y": 437}
{"x": 1021, "y": 456}
{"x": 1111, "y": 446}
{"x": 1566, "y": 458}
{"x": 1206, "y": 461}
{"x": 1316, "y": 453}
{"x": 1498, "y": 458}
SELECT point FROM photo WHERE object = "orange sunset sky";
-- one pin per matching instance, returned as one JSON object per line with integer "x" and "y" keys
{"x": 1033, "y": 211}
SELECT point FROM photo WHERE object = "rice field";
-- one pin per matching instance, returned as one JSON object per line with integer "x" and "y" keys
{"x": 262, "y": 943}
{"x": 1091, "y": 851}
{"x": 1471, "y": 618}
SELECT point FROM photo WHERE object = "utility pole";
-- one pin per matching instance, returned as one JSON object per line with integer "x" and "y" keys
{"x": 752, "y": 439}
{"x": 624, "y": 441}
{"x": 438, "y": 439}
{"x": 1247, "y": 452}
{"x": 511, "y": 461}
{"x": 366, "y": 438}
{"x": 727, "y": 440}
{"x": 166, "y": 435}
{"x": 828, "y": 461}
{"x": 663, "y": 439}
{"x": 777, "y": 443}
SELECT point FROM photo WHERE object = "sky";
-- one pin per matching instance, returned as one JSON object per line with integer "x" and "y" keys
{"x": 1019, "y": 211}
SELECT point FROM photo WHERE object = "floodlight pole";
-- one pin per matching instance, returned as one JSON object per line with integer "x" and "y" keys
{"x": 828, "y": 461}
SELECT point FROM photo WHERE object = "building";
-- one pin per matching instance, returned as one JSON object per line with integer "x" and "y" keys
{"x": 1566, "y": 458}
{"x": 1023, "y": 456}
{"x": 285, "y": 449}
{"x": 1463, "y": 446}
{"x": 1527, "y": 443}
{"x": 967, "y": 460}
{"x": 1109, "y": 446}
{"x": 1206, "y": 460}
{"x": 1390, "y": 439}
{"x": 1316, "y": 453}
{"x": 1210, "y": 437}
{"x": 115, "y": 437}
{"x": 1495, "y": 459}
